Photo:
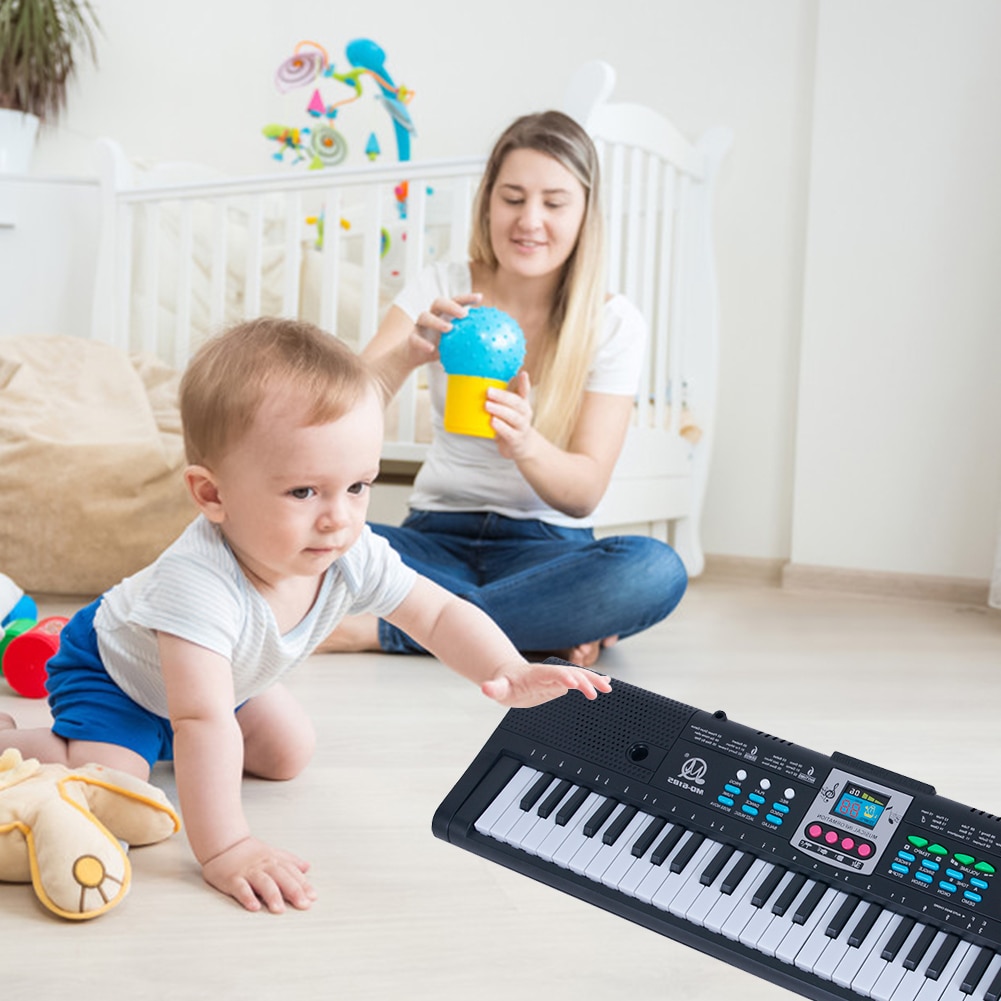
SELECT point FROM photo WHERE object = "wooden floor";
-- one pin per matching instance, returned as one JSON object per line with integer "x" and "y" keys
{"x": 911, "y": 686}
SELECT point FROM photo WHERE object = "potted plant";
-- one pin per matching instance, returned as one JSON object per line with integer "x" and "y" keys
{"x": 39, "y": 43}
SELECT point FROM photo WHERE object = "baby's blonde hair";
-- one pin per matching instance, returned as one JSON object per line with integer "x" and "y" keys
{"x": 568, "y": 352}
{"x": 230, "y": 375}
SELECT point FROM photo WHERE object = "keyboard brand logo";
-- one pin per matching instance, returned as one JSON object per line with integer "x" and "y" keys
{"x": 694, "y": 770}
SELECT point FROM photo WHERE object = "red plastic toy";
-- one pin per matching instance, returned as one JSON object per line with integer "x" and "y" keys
{"x": 26, "y": 655}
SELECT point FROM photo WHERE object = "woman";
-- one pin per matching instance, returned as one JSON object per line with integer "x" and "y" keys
{"x": 503, "y": 522}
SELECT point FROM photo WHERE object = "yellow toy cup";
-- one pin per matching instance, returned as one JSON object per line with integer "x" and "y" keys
{"x": 465, "y": 405}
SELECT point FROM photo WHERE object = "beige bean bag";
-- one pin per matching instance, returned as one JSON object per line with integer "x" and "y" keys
{"x": 91, "y": 457}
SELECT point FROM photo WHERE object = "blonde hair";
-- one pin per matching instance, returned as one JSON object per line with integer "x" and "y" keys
{"x": 567, "y": 353}
{"x": 230, "y": 375}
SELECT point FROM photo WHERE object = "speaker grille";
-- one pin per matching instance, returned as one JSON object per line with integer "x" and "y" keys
{"x": 604, "y": 730}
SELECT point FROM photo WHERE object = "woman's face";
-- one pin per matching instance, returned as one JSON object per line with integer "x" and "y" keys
{"x": 536, "y": 210}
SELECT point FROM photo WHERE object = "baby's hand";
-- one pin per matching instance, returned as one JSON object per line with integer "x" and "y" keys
{"x": 253, "y": 873}
{"x": 523, "y": 685}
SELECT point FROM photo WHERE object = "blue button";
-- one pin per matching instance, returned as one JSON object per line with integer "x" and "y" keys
{"x": 732, "y": 789}
{"x": 752, "y": 810}
{"x": 980, "y": 884}
{"x": 924, "y": 877}
{"x": 928, "y": 864}
{"x": 954, "y": 874}
{"x": 725, "y": 800}
{"x": 756, "y": 798}
{"x": 902, "y": 869}
{"x": 772, "y": 819}
{"x": 906, "y": 856}
{"x": 780, "y": 808}
{"x": 975, "y": 897}
{"x": 950, "y": 887}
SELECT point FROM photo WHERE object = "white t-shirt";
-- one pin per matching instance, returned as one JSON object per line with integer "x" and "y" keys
{"x": 196, "y": 590}
{"x": 466, "y": 473}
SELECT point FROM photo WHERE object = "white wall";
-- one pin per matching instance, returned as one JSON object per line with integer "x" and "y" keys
{"x": 193, "y": 80}
{"x": 898, "y": 462}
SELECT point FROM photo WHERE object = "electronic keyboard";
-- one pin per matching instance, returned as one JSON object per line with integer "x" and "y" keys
{"x": 829, "y": 876}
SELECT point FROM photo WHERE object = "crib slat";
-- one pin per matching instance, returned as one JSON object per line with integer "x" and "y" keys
{"x": 614, "y": 216}
{"x": 370, "y": 260}
{"x": 185, "y": 264}
{"x": 121, "y": 314}
{"x": 678, "y": 301}
{"x": 218, "y": 265}
{"x": 293, "y": 255}
{"x": 149, "y": 320}
{"x": 252, "y": 272}
{"x": 660, "y": 314}
{"x": 329, "y": 261}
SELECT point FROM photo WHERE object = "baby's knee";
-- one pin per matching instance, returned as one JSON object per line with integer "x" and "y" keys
{"x": 281, "y": 758}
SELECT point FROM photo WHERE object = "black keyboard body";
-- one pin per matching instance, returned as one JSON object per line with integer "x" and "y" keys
{"x": 856, "y": 829}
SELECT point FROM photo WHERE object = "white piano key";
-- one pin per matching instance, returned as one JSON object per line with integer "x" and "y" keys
{"x": 762, "y": 917}
{"x": 745, "y": 910}
{"x": 913, "y": 980}
{"x": 591, "y": 846}
{"x": 818, "y": 939}
{"x": 624, "y": 860}
{"x": 725, "y": 906}
{"x": 656, "y": 875}
{"x": 569, "y": 835}
{"x": 952, "y": 991}
{"x": 869, "y": 972}
{"x": 514, "y": 789}
{"x": 669, "y": 888}
{"x": 523, "y": 823}
{"x": 577, "y": 839}
{"x": 887, "y": 982}
{"x": 781, "y": 924}
{"x": 607, "y": 853}
{"x": 642, "y": 871}
{"x": 987, "y": 979}
{"x": 932, "y": 990}
{"x": 677, "y": 899}
{"x": 855, "y": 957}
{"x": 795, "y": 938}
{"x": 709, "y": 896}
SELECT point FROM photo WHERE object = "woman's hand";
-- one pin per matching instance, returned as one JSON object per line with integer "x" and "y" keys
{"x": 437, "y": 320}
{"x": 511, "y": 417}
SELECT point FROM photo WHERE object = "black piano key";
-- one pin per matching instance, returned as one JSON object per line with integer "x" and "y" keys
{"x": 914, "y": 957}
{"x": 617, "y": 826}
{"x": 686, "y": 851}
{"x": 897, "y": 939}
{"x": 736, "y": 874}
{"x": 531, "y": 797}
{"x": 809, "y": 904}
{"x": 666, "y": 845}
{"x": 767, "y": 886}
{"x": 598, "y": 818}
{"x": 993, "y": 992}
{"x": 565, "y": 813}
{"x": 649, "y": 835}
{"x": 976, "y": 972}
{"x": 715, "y": 865}
{"x": 841, "y": 919}
{"x": 864, "y": 926}
{"x": 554, "y": 798}
{"x": 944, "y": 954}
{"x": 789, "y": 894}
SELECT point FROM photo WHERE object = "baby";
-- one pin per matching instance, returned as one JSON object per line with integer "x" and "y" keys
{"x": 183, "y": 660}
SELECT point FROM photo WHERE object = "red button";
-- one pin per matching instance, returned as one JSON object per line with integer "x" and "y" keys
{"x": 815, "y": 830}
{"x": 848, "y": 844}
{"x": 830, "y": 837}
{"x": 864, "y": 850}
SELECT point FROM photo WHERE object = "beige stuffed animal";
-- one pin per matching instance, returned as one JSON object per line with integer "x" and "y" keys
{"x": 60, "y": 830}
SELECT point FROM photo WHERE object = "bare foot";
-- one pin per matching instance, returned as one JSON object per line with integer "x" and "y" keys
{"x": 585, "y": 654}
{"x": 7, "y": 722}
{"x": 355, "y": 634}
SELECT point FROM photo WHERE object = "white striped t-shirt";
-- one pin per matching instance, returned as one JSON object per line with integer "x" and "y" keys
{"x": 197, "y": 591}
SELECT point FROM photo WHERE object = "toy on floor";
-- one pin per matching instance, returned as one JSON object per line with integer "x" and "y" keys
{"x": 14, "y": 603}
{"x": 61, "y": 828}
{"x": 484, "y": 348}
{"x": 26, "y": 652}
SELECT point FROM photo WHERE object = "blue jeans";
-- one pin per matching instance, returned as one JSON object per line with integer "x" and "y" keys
{"x": 548, "y": 588}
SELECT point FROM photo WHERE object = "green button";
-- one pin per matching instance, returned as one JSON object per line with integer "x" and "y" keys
{"x": 964, "y": 859}
{"x": 938, "y": 850}
{"x": 916, "y": 841}
{"x": 984, "y": 867}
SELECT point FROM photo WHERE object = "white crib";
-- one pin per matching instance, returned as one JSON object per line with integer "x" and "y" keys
{"x": 184, "y": 251}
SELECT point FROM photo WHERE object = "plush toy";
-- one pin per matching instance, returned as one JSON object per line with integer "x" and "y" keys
{"x": 60, "y": 830}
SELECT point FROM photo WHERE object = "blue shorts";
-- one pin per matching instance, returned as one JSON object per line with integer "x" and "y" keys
{"x": 86, "y": 703}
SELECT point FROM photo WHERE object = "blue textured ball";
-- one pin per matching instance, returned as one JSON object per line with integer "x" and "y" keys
{"x": 486, "y": 342}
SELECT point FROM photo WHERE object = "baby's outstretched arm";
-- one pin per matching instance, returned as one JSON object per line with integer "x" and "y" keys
{"x": 466, "y": 639}
{"x": 208, "y": 766}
